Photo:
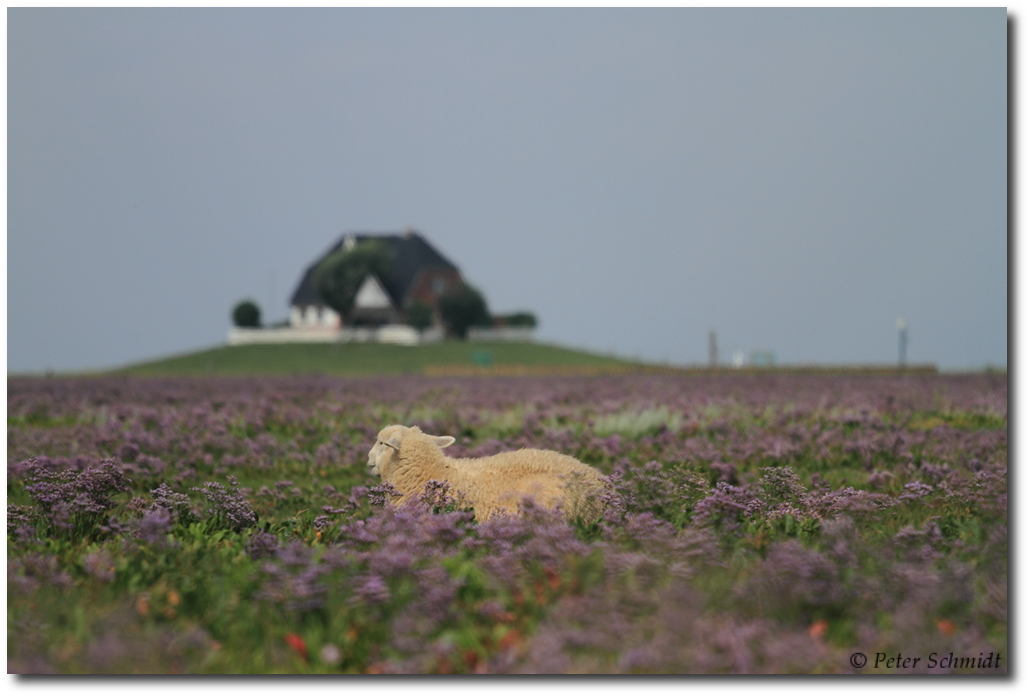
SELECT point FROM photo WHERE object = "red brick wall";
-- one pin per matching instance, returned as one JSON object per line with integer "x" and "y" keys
{"x": 422, "y": 288}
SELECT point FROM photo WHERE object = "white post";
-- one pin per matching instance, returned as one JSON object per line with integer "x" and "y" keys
{"x": 902, "y": 340}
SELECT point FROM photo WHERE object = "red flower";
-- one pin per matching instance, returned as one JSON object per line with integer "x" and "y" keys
{"x": 818, "y": 628}
{"x": 297, "y": 644}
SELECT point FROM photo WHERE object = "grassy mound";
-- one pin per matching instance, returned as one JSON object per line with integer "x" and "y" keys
{"x": 374, "y": 359}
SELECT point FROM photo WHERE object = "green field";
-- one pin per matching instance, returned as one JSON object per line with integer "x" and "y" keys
{"x": 368, "y": 359}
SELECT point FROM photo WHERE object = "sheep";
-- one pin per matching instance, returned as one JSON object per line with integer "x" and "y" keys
{"x": 407, "y": 458}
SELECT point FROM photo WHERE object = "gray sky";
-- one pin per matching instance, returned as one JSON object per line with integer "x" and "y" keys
{"x": 795, "y": 180}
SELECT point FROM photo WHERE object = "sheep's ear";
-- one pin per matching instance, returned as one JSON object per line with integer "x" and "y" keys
{"x": 443, "y": 441}
{"x": 394, "y": 443}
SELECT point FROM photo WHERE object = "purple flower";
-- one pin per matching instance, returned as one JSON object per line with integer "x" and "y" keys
{"x": 39, "y": 569}
{"x": 70, "y": 500}
{"x": 381, "y": 493}
{"x": 177, "y": 504}
{"x": 228, "y": 506}
{"x": 293, "y": 580}
{"x": 20, "y": 521}
{"x": 920, "y": 545}
{"x": 99, "y": 565}
{"x": 357, "y": 531}
{"x": 915, "y": 491}
{"x": 792, "y": 576}
{"x": 128, "y": 452}
{"x": 153, "y": 528}
{"x": 879, "y": 479}
{"x": 724, "y": 507}
{"x": 327, "y": 455}
{"x": 357, "y": 495}
{"x": 725, "y": 472}
{"x": 780, "y": 485}
{"x": 262, "y": 545}
{"x": 436, "y": 495}
{"x": 372, "y": 590}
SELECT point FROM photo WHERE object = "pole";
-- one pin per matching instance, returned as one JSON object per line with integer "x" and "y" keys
{"x": 902, "y": 341}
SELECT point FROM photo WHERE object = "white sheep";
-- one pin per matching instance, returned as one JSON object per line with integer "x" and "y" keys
{"x": 407, "y": 458}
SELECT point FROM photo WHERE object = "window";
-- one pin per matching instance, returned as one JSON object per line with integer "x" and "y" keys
{"x": 439, "y": 286}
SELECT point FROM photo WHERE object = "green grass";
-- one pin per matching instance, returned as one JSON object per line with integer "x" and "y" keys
{"x": 367, "y": 359}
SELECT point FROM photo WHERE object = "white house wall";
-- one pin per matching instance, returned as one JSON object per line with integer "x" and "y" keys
{"x": 314, "y": 316}
{"x": 517, "y": 334}
{"x": 330, "y": 318}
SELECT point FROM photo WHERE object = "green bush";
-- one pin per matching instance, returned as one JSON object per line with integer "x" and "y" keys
{"x": 462, "y": 307}
{"x": 246, "y": 314}
{"x": 520, "y": 319}
{"x": 420, "y": 315}
{"x": 338, "y": 277}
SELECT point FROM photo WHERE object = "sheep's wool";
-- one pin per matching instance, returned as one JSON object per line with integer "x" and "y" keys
{"x": 407, "y": 458}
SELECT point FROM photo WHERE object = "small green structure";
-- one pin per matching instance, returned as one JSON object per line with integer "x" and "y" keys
{"x": 483, "y": 358}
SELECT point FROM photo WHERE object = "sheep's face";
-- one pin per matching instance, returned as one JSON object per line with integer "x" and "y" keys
{"x": 385, "y": 449}
{"x": 388, "y": 446}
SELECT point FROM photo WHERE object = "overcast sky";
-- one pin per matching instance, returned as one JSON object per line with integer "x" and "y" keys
{"x": 794, "y": 180}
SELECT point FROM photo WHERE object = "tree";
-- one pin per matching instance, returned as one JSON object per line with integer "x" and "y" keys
{"x": 462, "y": 307}
{"x": 246, "y": 314}
{"x": 521, "y": 319}
{"x": 338, "y": 278}
{"x": 420, "y": 315}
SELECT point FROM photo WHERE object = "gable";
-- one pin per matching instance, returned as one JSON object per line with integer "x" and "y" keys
{"x": 371, "y": 295}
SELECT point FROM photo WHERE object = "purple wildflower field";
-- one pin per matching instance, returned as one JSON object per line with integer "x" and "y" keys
{"x": 754, "y": 523}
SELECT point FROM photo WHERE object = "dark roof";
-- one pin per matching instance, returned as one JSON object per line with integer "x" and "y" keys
{"x": 412, "y": 253}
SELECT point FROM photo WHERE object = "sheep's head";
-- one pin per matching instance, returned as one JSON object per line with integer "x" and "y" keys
{"x": 389, "y": 443}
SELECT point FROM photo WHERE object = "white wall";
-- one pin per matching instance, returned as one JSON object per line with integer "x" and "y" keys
{"x": 389, "y": 334}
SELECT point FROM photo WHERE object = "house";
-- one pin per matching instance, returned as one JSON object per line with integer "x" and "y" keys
{"x": 419, "y": 272}
{"x": 380, "y": 312}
